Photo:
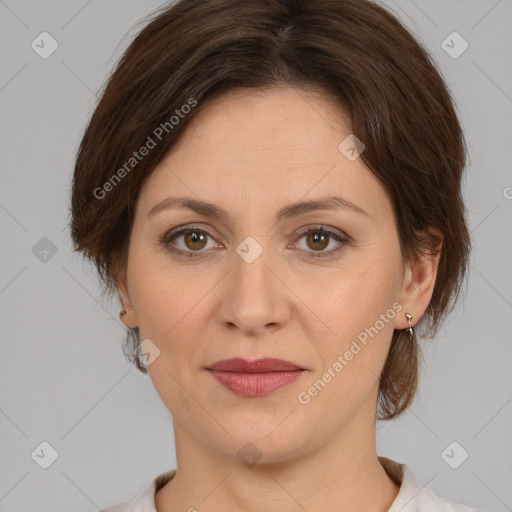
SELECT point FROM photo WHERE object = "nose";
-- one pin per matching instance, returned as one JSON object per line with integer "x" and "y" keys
{"x": 254, "y": 299}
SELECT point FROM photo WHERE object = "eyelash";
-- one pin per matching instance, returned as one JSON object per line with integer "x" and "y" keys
{"x": 170, "y": 236}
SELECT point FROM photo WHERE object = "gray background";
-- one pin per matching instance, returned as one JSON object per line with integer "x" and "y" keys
{"x": 64, "y": 379}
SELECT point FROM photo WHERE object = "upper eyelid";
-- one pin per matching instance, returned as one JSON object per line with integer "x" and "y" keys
{"x": 299, "y": 233}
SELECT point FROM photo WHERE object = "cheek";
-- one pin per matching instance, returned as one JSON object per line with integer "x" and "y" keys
{"x": 357, "y": 309}
{"x": 157, "y": 295}
{"x": 170, "y": 313}
{"x": 360, "y": 313}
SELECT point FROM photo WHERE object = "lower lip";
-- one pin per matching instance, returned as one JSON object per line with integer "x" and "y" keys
{"x": 256, "y": 384}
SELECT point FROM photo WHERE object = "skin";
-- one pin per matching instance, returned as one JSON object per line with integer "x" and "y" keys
{"x": 253, "y": 152}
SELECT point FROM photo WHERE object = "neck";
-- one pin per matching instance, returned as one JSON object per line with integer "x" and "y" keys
{"x": 343, "y": 473}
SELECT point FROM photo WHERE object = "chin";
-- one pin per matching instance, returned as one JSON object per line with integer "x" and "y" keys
{"x": 261, "y": 443}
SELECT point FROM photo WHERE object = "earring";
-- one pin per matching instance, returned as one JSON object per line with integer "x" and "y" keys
{"x": 123, "y": 312}
{"x": 409, "y": 329}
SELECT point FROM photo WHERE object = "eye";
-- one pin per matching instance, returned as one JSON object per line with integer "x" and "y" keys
{"x": 195, "y": 240}
{"x": 318, "y": 239}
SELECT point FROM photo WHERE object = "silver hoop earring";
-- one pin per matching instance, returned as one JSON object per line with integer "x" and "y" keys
{"x": 409, "y": 329}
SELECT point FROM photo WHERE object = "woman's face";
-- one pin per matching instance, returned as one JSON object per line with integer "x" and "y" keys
{"x": 253, "y": 288}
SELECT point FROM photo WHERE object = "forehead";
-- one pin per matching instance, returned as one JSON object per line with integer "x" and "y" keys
{"x": 264, "y": 149}
{"x": 283, "y": 115}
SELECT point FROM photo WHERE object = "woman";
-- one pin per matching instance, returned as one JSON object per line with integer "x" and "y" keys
{"x": 273, "y": 188}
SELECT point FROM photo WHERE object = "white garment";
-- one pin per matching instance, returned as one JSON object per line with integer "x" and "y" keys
{"x": 412, "y": 497}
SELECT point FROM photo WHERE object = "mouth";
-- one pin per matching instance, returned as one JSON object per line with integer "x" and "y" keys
{"x": 256, "y": 378}
{"x": 265, "y": 365}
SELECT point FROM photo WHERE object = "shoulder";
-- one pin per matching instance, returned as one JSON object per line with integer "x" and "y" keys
{"x": 145, "y": 500}
{"x": 429, "y": 501}
{"x": 414, "y": 497}
{"x": 126, "y": 506}
{"x": 120, "y": 507}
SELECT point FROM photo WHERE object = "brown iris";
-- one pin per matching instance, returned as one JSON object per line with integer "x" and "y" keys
{"x": 318, "y": 236}
{"x": 194, "y": 237}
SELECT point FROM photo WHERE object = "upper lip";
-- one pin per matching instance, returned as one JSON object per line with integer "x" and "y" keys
{"x": 264, "y": 365}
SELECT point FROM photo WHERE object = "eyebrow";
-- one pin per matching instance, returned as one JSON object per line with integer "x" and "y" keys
{"x": 287, "y": 212}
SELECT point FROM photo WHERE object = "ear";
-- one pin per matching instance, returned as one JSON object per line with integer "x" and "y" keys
{"x": 129, "y": 318}
{"x": 418, "y": 283}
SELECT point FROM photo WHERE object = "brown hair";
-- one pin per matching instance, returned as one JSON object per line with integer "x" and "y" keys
{"x": 354, "y": 50}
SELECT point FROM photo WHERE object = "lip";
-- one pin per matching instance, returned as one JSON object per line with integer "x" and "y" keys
{"x": 255, "y": 378}
{"x": 265, "y": 365}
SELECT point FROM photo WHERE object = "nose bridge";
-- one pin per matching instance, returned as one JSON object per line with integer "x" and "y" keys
{"x": 251, "y": 265}
{"x": 254, "y": 299}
